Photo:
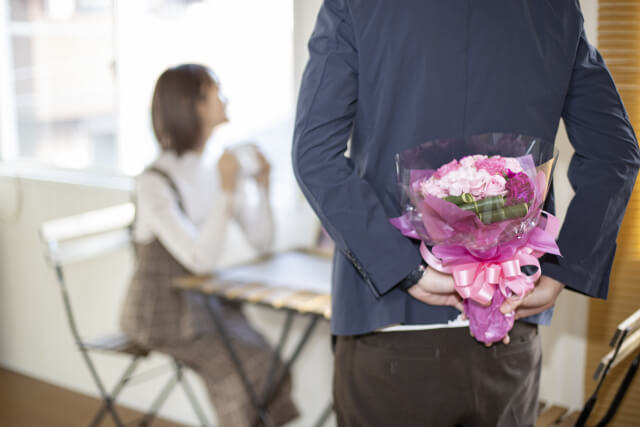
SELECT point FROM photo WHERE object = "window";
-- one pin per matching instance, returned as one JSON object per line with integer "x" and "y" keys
{"x": 59, "y": 79}
{"x": 77, "y": 75}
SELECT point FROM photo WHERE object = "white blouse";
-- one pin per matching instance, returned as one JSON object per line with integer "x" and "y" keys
{"x": 195, "y": 237}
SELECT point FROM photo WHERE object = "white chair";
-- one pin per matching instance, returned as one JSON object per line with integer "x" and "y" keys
{"x": 87, "y": 236}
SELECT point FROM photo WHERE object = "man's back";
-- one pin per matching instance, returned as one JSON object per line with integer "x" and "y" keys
{"x": 434, "y": 69}
{"x": 394, "y": 74}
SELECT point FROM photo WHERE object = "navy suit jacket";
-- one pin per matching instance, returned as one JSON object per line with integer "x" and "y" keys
{"x": 389, "y": 75}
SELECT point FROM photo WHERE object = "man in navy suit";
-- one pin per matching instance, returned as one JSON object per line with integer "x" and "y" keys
{"x": 389, "y": 75}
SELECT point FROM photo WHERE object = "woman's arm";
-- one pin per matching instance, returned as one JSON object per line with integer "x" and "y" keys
{"x": 196, "y": 248}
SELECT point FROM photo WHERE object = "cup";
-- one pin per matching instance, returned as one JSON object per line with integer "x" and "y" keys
{"x": 247, "y": 156}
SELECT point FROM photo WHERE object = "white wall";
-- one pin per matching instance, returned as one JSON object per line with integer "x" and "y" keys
{"x": 304, "y": 17}
{"x": 34, "y": 338}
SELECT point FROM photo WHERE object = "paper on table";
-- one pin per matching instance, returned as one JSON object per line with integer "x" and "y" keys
{"x": 293, "y": 270}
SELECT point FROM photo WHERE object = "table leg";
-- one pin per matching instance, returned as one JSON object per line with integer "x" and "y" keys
{"x": 222, "y": 330}
{"x": 277, "y": 351}
{"x": 270, "y": 393}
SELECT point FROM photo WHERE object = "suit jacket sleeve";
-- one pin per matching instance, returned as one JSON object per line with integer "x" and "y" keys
{"x": 345, "y": 202}
{"x": 602, "y": 173}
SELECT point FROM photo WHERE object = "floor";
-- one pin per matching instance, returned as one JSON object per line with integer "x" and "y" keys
{"x": 56, "y": 406}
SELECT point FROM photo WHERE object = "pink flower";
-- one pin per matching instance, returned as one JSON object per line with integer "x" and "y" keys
{"x": 493, "y": 165}
{"x": 470, "y": 161}
{"x": 433, "y": 187}
{"x": 519, "y": 189}
{"x": 495, "y": 186}
{"x": 445, "y": 169}
{"x": 458, "y": 187}
{"x": 477, "y": 188}
{"x": 512, "y": 164}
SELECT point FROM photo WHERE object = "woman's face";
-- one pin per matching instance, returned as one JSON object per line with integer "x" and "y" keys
{"x": 212, "y": 110}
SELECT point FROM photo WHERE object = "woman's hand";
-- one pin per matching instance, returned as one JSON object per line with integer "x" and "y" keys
{"x": 265, "y": 170}
{"x": 228, "y": 168}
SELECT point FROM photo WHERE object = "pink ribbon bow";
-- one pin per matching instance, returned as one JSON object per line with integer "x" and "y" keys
{"x": 478, "y": 280}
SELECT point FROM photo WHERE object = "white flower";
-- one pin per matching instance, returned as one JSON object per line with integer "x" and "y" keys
{"x": 513, "y": 164}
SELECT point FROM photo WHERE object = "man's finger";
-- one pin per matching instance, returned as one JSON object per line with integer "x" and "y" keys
{"x": 539, "y": 296}
{"x": 544, "y": 294}
{"x": 530, "y": 311}
{"x": 431, "y": 298}
{"x": 458, "y": 304}
{"x": 510, "y": 304}
{"x": 506, "y": 340}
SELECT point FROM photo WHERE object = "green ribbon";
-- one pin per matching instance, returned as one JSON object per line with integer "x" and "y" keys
{"x": 507, "y": 212}
{"x": 468, "y": 203}
{"x": 490, "y": 209}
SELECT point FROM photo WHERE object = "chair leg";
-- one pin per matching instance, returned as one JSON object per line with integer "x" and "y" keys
{"x": 325, "y": 415}
{"x": 160, "y": 399}
{"x": 191, "y": 396}
{"x": 108, "y": 400}
{"x": 107, "y": 407}
{"x": 622, "y": 390}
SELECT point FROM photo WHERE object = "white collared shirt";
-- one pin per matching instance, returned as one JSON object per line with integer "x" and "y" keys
{"x": 458, "y": 322}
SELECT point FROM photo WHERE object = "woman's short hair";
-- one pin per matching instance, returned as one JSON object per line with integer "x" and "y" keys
{"x": 176, "y": 123}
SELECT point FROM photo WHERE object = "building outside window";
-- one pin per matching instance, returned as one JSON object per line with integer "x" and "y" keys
{"x": 76, "y": 76}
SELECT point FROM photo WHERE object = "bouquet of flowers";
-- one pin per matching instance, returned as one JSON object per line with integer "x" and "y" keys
{"x": 477, "y": 202}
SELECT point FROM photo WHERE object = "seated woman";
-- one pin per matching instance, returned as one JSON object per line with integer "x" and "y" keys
{"x": 183, "y": 208}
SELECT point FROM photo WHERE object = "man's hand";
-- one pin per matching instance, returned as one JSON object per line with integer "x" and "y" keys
{"x": 541, "y": 298}
{"x": 436, "y": 288}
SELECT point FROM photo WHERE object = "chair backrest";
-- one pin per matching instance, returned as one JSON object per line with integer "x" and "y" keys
{"x": 87, "y": 235}
{"x": 625, "y": 343}
{"x": 82, "y": 237}
{"x": 627, "y": 327}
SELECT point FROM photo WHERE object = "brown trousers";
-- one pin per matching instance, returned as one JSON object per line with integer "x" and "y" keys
{"x": 440, "y": 378}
